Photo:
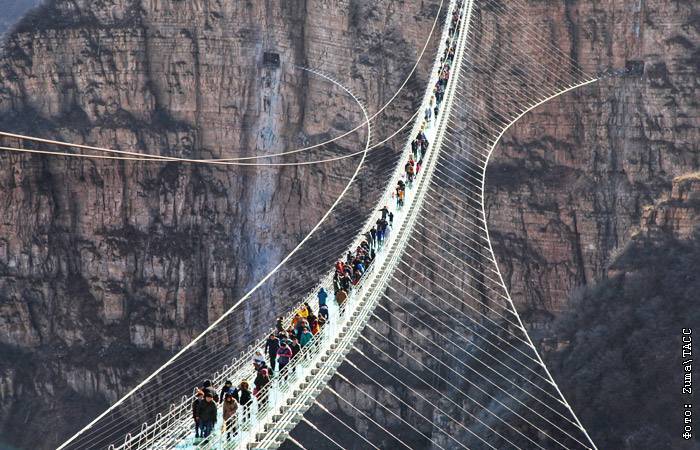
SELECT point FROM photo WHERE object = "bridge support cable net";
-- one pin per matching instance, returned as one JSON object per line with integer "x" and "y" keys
{"x": 436, "y": 354}
{"x": 157, "y": 413}
{"x": 446, "y": 337}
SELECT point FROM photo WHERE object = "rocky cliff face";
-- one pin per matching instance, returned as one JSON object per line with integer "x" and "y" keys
{"x": 628, "y": 327}
{"x": 108, "y": 263}
{"x": 570, "y": 182}
{"x": 107, "y": 267}
{"x": 568, "y": 188}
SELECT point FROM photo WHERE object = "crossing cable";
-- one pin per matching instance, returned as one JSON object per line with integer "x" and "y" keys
{"x": 472, "y": 343}
{"x": 585, "y": 83}
{"x": 437, "y": 204}
{"x": 303, "y": 419}
{"x": 474, "y": 87}
{"x": 528, "y": 338}
{"x": 422, "y": 232}
{"x": 476, "y": 402}
{"x": 469, "y": 231}
{"x": 472, "y": 284}
{"x": 317, "y": 403}
{"x": 468, "y": 381}
{"x": 473, "y": 320}
{"x": 366, "y": 123}
{"x": 476, "y": 333}
{"x": 475, "y": 371}
{"x": 443, "y": 191}
{"x": 332, "y": 391}
{"x": 409, "y": 406}
{"x": 466, "y": 411}
{"x": 479, "y": 85}
{"x": 519, "y": 6}
{"x": 417, "y": 264}
{"x": 430, "y": 439}
{"x": 484, "y": 316}
{"x": 470, "y": 355}
{"x": 465, "y": 272}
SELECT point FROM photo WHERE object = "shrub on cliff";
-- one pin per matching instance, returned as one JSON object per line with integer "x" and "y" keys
{"x": 622, "y": 368}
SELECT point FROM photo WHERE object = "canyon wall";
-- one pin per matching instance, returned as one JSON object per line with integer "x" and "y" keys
{"x": 107, "y": 267}
{"x": 628, "y": 326}
{"x": 568, "y": 190}
{"x": 568, "y": 184}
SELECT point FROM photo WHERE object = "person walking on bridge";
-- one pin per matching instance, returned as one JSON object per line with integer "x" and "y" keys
{"x": 384, "y": 211}
{"x": 196, "y": 405}
{"x": 284, "y": 354}
{"x": 207, "y": 415}
{"x": 399, "y": 196}
{"x": 410, "y": 170}
{"x": 305, "y": 337}
{"x": 271, "y": 346}
{"x": 322, "y": 297}
{"x": 245, "y": 398}
{"x": 323, "y": 314}
{"x": 227, "y": 385}
{"x": 230, "y": 407}
{"x": 280, "y": 324}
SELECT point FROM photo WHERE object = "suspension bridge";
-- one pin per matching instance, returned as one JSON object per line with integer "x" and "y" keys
{"x": 429, "y": 339}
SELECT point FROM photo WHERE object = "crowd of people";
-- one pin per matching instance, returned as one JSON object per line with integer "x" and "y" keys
{"x": 286, "y": 342}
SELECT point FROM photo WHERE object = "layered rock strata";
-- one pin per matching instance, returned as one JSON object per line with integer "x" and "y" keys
{"x": 108, "y": 267}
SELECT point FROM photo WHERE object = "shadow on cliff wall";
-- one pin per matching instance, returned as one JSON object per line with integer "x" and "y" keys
{"x": 619, "y": 356}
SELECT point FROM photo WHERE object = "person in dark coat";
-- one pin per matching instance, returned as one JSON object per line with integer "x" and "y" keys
{"x": 322, "y": 297}
{"x": 207, "y": 415}
{"x": 280, "y": 324}
{"x": 207, "y": 386}
{"x": 242, "y": 393}
{"x": 323, "y": 312}
{"x": 284, "y": 355}
{"x": 296, "y": 348}
{"x": 227, "y": 386}
{"x": 198, "y": 399}
{"x": 212, "y": 391}
{"x": 244, "y": 397}
{"x": 384, "y": 211}
{"x": 271, "y": 346}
